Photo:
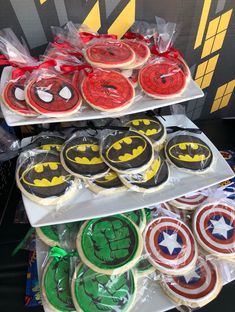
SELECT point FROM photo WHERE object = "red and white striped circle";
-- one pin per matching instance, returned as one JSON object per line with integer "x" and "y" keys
{"x": 214, "y": 227}
{"x": 170, "y": 245}
{"x": 188, "y": 202}
{"x": 195, "y": 288}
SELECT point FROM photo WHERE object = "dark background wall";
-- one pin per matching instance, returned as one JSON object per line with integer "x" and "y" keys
{"x": 206, "y": 36}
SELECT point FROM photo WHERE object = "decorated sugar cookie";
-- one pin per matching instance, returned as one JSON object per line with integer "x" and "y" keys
{"x": 189, "y": 153}
{"x": 148, "y": 214}
{"x": 144, "y": 267}
{"x": 81, "y": 157}
{"x": 61, "y": 235}
{"x": 14, "y": 98}
{"x": 92, "y": 291}
{"x": 110, "y": 245}
{"x": 149, "y": 180}
{"x": 42, "y": 179}
{"x": 214, "y": 228}
{"x": 162, "y": 80}
{"x": 109, "y": 54}
{"x": 184, "y": 215}
{"x": 109, "y": 183}
{"x": 141, "y": 50}
{"x": 150, "y": 127}
{"x": 196, "y": 288}
{"x": 55, "y": 287}
{"x": 127, "y": 151}
{"x": 188, "y": 202}
{"x": 138, "y": 217}
{"x": 53, "y": 96}
{"x": 170, "y": 246}
{"x": 49, "y": 142}
{"x": 107, "y": 90}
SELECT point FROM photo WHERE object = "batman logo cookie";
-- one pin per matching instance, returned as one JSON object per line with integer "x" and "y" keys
{"x": 42, "y": 178}
{"x": 149, "y": 180}
{"x": 81, "y": 157}
{"x": 189, "y": 153}
{"x": 109, "y": 245}
{"x": 148, "y": 126}
{"x": 107, "y": 184}
{"x": 127, "y": 151}
{"x": 95, "y": 292}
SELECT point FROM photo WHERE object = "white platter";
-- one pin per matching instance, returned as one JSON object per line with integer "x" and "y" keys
{"x": 87, "y": 205}
{"x": 87, "y": 113}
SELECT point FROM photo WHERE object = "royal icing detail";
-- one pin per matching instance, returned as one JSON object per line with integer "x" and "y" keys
{"x": 189, "y": 152}
{"x": 195, "y": 288}
{"x": 189, "y": 202}
{"x": 109, "y": 243}
{"x": 170, "y": 245}
{"x": 56, "y": 285}
{"x": 109, "y": 181}
{"x": 138, "y": 217}
{"x": 214, "y": 227}
{"x": 98, "y": 292}
{"x": 126, "y": 150}
{"x": 107, "y": 90}
{"x": 82, "y": 156}
{"x": 42, "y": 175}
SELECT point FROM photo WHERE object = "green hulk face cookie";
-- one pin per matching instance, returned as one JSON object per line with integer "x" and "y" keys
{"x": 138, "y": 217}
{"x": 110, "y": 245}
{"x": 95, "y": 292}
{"x": 56, "y": 285}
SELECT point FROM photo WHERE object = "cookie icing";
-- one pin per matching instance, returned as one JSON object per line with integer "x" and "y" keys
{"x": 49, "y": 143}
{"x": 110, "y": 180}
{"x": 98, "y": 292}
{"x": 138, "y": 217}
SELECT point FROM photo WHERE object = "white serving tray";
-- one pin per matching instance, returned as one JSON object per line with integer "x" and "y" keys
{"x": 87, "y": 113}
{"x": 87, "y": 205}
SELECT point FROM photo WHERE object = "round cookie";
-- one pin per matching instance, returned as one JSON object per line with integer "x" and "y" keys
{"x": 184, "y": 215}
{"x": 214, "y": 229}
{"x": 127, "y": 151}
{"x": 14, "y": 98}
{"x": 107, "y": 90}
{"x": 107, "y": 184}
{"x": 109, "y": 54}
{"x": 61, "y": 235}
{"x": 148, "y": 214}
{"x": 55, "y": 286}
{"x": 92, "y": 291}
{"x": 53, "y": 96}
{"x": 144, "y": 267}
{"x": 170, "y": 246}
{"x": 81, "y": 157}
{"x": 138, "y": 217}
{"x": 189, "y": 153}
{"x": 150, "y": 127}
{"x": 132, "y": 75}
{"x": 42, "y": 178}
{"x": 49, "y": 142}
{"x": 110, "y": 245}
{"x": 190, "y": 202}
{"x": 196, "y": 288}
{"x": 151, "y": 180}
{"x": 141, "y": 50}
{"x": 162, "y": 80}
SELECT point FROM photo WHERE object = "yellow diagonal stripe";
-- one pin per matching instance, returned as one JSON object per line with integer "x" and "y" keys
{"x": 224, "y": 21}
{"x": 93, "y": 18}
{"x": 124, "y": 20}
{"x": 222, "y": 96}
{"x": 230, "y": 87}
{"x": 42, "y": 1}
{"x": 202, "y": 24}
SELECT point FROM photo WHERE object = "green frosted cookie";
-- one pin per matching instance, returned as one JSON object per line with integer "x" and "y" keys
{"x": 95, "y": 292}
{"x": 110, "y": 245}
{"x": 56, "y": 285}
{"x": 148, "y": 214}
{"x": 62, "y": 235}
{"x": 143, "y": 267}
{"x": 138, "y": 217}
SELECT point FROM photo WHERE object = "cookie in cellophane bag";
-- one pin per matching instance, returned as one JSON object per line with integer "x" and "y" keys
{"x": 189, "y": 201}
{"x": 41, "y": 177}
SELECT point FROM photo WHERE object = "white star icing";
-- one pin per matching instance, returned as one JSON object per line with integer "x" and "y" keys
{"x": 170, "y": 242}
{"x": 190, "y": 276}
{"x": 221, "y": 227}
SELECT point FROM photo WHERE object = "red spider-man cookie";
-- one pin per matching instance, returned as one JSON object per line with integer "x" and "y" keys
{"x": 162, "y": 80}
{"x": 109, "y": 54}
{"x": 14, "y": 98}
{"x": 141, "y": 50}
{"x": 107, "y": 90}
{"x": 53, "y": 96}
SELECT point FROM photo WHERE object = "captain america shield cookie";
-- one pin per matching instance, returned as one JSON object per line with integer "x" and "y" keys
{"x": 189, "y": 202}
{"x": 170, "y": 246}
{"x": 196, "y": 288}
{"x": 214, "y": 228}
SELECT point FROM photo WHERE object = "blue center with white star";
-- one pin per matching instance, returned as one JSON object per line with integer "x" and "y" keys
{"x": 170, "y": 242}
{"x": 220, "y": 227}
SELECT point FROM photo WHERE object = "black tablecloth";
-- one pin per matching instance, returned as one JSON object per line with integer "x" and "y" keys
{"x": 13, "y": 269}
